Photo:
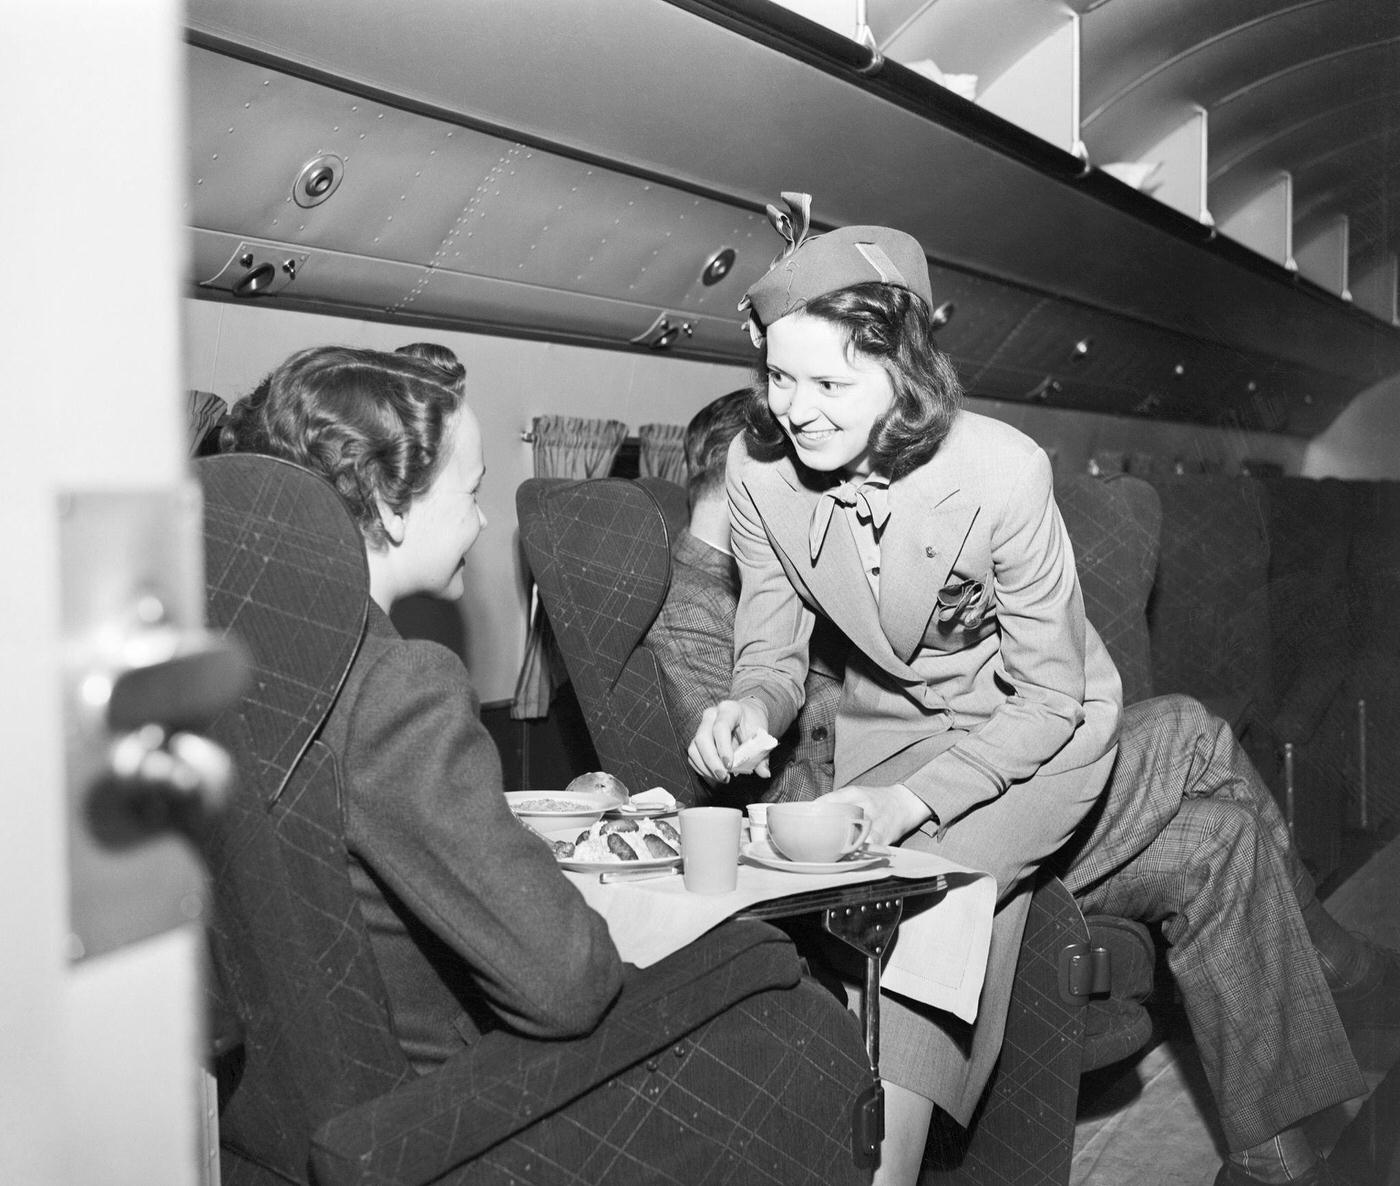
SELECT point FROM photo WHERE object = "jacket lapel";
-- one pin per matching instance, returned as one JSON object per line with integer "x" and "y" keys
{"x": 929, "y": 522}
{"x": 928, "y": 525}
{"x": 786, "y": 505}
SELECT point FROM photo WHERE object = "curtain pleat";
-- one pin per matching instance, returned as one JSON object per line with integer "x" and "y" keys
{"x": 662, "y": 452}
{"x": 204, "y": 411}
{"x": 564, "y": 447}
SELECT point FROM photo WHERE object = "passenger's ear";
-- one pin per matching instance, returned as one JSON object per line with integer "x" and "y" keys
{"x": 392, "y": 521}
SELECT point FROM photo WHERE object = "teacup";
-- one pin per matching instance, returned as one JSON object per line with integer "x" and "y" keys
{"x": 816, "y": 832}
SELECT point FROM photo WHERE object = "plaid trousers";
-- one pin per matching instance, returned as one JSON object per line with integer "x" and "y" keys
{"x": 1219, "y": 874}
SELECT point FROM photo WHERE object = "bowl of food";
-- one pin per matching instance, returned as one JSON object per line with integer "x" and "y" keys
{"x": 552, "y": 811}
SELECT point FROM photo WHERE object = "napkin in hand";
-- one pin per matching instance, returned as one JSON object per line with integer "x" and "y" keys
{"x": 752, "y": 753}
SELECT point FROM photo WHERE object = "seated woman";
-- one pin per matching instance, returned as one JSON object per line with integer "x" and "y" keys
{"x": 437, "y": 858}
{"x": 472, "y": 924}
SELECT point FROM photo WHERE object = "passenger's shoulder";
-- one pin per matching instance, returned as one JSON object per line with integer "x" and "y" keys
{"x": 404, "y": 668}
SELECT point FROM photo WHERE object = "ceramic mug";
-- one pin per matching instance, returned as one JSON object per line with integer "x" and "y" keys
{"x": 710, "y": 848}
{"x": 816, "y": 833}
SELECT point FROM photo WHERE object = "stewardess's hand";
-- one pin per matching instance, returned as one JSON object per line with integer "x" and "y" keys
{"x": 723, "y": 728}
{"x": 894, "y": 811}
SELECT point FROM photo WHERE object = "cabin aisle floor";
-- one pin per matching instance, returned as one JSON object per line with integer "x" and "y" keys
{"x": 1150, "y": 1122}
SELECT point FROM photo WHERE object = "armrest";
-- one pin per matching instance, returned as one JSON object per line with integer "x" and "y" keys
{"x": 505, "y": 1082}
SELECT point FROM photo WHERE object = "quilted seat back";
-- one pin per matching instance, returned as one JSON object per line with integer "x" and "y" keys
{"x": 600, "y": 552}
{"x": 1115, "y": 523}
{"x": 285, "y": 571}
{"x": 1209, "y": 615}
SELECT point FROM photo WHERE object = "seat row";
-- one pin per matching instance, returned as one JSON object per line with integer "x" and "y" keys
{"x": 1274, "y": 602}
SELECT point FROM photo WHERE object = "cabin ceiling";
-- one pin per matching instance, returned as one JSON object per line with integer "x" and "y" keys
{"x": 1179, "y": 209}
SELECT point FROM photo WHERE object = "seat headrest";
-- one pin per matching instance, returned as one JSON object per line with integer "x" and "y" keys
{"x": 602, "y": 546}
{"x": 285, "y": 570}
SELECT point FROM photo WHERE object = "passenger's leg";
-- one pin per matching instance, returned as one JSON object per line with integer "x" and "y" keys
{"x": 1177, "y": 739}
{"x": 1261, "y": 1012}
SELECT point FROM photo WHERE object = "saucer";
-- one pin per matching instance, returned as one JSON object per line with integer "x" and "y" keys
{"x": 758, "y": 852}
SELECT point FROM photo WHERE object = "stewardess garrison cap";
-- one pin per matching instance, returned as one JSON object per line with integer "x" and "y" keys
{"x": 811, "y": 266}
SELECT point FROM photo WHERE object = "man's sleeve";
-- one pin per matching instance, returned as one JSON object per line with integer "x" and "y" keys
{"x": 692, "y": 639}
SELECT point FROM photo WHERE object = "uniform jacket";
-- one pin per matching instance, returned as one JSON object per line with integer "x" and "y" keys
{"x": 472, "y": 924}
{"x": 977, "y": 668}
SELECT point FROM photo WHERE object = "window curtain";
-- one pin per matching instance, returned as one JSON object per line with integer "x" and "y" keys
{"x": 662, "y": 452}
{"x": 204, "y": 413}
{"x": 564, "y": 447}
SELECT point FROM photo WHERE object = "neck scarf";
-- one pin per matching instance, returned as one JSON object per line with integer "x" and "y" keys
{"x": 869, "y": 496}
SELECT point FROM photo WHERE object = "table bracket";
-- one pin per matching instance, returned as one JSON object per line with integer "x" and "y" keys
{"x": 868, "y": 927}
{"x": 864, "y": 916}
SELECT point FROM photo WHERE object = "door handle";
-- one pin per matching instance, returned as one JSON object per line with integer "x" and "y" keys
{"x": 142, "y": 679}
{"x": 160, "y": 774}
{"x": 180, "y": 680}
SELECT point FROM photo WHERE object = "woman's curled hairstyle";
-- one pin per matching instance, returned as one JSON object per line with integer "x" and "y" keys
{"x": 370, "y": 423}
{"x": 890, "y": 324}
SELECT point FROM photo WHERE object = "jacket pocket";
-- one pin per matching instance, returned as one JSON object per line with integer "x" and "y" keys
{"x": 965, "y": 604}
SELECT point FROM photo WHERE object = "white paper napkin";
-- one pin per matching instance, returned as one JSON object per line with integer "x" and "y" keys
{"x": 751, "y": 753}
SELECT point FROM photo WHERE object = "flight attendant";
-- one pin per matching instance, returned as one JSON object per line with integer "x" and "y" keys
{"x": 979, "y": 716}
{"x": 980, "y": 711}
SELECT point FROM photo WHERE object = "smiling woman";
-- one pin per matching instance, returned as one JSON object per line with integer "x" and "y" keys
{"x": 826, "y": 397}
{"x": 979, "y": 711}
{"x": 394, "y": 437}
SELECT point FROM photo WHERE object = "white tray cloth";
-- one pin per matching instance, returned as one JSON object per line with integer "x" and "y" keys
{"x": 939, "y": 955}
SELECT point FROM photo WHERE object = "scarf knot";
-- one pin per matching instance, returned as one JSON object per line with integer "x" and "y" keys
{"x": 870, "y": 498}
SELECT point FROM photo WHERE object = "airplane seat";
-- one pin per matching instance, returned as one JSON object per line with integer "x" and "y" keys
{"x": 1208, "y": 615}
{"x": 1115, "y": 524}
{"x": 319, "y": 1089}
{"x": 599, "y": 551}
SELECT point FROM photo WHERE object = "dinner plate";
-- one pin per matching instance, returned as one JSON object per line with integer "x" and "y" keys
{"x": 760, "y": 853}
{"x": 578, "y": 865}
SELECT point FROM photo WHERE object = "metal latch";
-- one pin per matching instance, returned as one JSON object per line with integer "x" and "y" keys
{"x": 664, "y": 331}
{"x": 1084, "y": 972}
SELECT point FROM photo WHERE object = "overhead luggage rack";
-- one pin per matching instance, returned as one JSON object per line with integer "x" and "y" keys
{"x": 570, "y": 169}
